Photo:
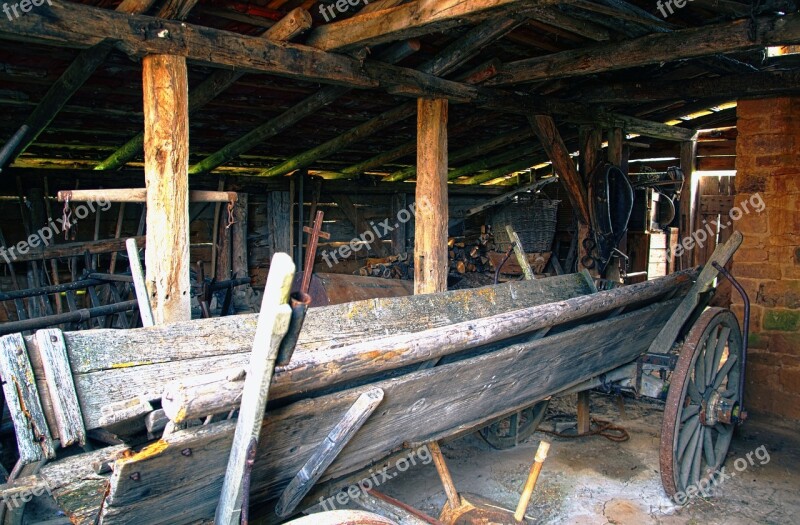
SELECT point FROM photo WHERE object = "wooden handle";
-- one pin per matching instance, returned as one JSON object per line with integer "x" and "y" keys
{"x": 530, "y": 483}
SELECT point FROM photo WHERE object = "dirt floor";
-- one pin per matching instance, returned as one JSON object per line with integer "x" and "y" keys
{"x": 596, "y": 481}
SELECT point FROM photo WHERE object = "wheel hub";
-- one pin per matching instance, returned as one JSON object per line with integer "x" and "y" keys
{"x": 717, "y": 409}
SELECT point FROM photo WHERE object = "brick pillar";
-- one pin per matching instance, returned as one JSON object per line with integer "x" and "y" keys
{"x": 768, "y": 263}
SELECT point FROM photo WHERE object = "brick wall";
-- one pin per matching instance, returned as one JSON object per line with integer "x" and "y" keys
{"x": 768, "y": 263}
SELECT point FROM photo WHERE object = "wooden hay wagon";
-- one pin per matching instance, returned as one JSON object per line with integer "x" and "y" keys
{"x": 446, "y": 364}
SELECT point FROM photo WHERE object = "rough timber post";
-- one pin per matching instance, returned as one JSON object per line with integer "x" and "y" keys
{"x": 166, "y": 161}
{"x": 430, "y": 235}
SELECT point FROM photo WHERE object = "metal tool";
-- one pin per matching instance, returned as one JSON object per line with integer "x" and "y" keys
{"x": 301, "y": 300}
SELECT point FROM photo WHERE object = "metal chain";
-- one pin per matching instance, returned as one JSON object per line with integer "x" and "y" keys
{"x": 230, "y": 215}
{"x": 66, "y": 219}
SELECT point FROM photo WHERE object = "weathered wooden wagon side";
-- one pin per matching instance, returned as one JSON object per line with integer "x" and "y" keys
{"x": 496, "y": 351}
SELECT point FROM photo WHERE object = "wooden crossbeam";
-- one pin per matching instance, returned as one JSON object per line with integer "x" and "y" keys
{"x": 81, "y": 26}
{"x": 731, "y": 86}
{"x": 725, "y": 37}
{"x": 78, "y": 25}
{"x": 409, "y": 20}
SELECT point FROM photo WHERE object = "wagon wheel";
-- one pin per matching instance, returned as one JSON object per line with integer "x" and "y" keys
{"x": 516, "y": 428}
{"x": 703, "y": 402}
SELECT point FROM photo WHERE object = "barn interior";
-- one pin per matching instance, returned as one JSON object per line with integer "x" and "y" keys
{"x": 595, "y": 201}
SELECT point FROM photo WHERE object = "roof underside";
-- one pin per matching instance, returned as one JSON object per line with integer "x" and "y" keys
{"x": 106, "y": 111}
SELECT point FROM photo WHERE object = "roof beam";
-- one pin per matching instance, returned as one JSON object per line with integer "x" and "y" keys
{"x": 731, "y": 86}
{"x": 84, "y": 26}
{"x": 726, "y": 37}
{"x": 410, "y": 20}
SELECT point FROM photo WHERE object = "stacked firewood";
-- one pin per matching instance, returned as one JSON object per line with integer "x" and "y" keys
{"x": 392, "y": 267}
{"x": 470, "y": 256}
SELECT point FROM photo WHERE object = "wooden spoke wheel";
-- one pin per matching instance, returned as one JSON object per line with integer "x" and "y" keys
{"x": 508, "y": 432}
{"x": 703, "y": 402}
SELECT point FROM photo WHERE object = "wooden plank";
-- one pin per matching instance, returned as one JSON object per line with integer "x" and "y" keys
{"x": 430, "y": 222}
{"x": 72, "y": 249}
{"x": 358, "y": 221}
{"x": 140, "y": 195}
{"x": 220, "y": 392}
{"x": 398, "y": 204}
{"x": 671, "y": 330}
{"x": 278, "y": 211}
{"x": 142, "y": 297}
{"x": 519, "y": 251}
{"x": 166, "y": 154}
{"x": 415, "y": 18}
{"x": 63, "y": 398}
{"x": 655, "y": 48}
{"x": 34, "y": 441}
{"x": 716, "y": 163}
{"x": 490, "y": 385}
{"x": 328, "y": 451}
{"x": 273, "y": 322}
{"x": 121, "y": 371}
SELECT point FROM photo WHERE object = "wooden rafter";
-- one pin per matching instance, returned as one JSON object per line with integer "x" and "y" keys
{"x": 409, "y": 20}
{"x": 725, "y": 37}
{"x": 299, "y": 111}
{"x": 553, "y": 144}
{"x": 731, "y": 86}
{"x": 443, "y": 63}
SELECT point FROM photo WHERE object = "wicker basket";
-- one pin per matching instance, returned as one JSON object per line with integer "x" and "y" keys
{"x": 533, "y": 219}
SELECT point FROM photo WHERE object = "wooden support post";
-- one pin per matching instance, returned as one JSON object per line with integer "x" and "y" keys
{"x": 327, "y": 451}
{"x": 239, "y": 264}
{"x": 430, "y": 226}
{"x": 453, "y": 499}
{"x": 590, "y": 138}
{"x": 689, "y": 198}
{"x": 616, "y": 156}
{"x": 584, "y": 412}
{"x": 273, "y": 322}
{"x": 399, "y": 203}
{"x": 278, "y": 213}
{"x": 166, "y": 155}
